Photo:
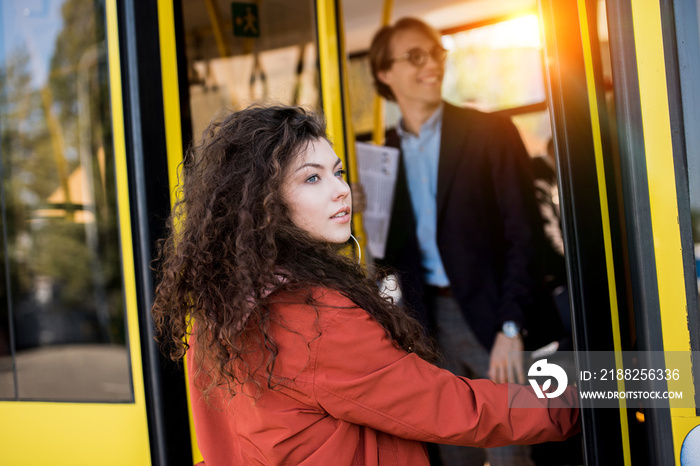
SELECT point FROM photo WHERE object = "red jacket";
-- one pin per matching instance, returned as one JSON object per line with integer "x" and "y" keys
{"x": 353, "y": 398}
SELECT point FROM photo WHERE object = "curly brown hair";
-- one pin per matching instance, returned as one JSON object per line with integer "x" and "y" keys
{"x": 231, "y": 243}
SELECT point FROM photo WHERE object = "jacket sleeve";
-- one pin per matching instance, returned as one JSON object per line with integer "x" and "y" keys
{"x": 362, "y": 377}
{"x": 512, "y": 176}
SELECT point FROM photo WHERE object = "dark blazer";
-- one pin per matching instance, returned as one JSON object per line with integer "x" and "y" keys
{"x": 487, "y": 223}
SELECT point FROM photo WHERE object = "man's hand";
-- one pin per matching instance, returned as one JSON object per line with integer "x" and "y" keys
{"x": 499, "y": 371}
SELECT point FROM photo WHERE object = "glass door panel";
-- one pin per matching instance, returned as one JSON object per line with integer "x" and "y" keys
{"x": 62, "y": 327}
{"x": 68, "y": 318}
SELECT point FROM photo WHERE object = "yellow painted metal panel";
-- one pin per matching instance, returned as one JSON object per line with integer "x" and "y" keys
{"x": 330, "y": 73}
{"x": 173, "y": 133}
{"x": 351, "y": 160}
{"x": 663, "y": 201}
{"x": 171, "y": 91}
{"x": 90, "y": 433}
{"x": 334, "y": 91}
{"x": 660, "y": 171}
{"x": 605, "y": 214}
{"x": 74, "y": 434}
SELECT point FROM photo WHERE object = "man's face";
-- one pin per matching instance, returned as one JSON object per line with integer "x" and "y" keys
{"x": 413, "y": 84}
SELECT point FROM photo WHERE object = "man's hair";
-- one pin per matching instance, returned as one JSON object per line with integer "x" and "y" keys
{"x": 380, "y": 57}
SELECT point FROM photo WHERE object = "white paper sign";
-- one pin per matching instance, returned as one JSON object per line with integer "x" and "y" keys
{"x": 378, "y": 167}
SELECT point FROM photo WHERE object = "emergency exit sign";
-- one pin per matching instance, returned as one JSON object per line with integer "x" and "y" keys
{"x": 246, "y": 21}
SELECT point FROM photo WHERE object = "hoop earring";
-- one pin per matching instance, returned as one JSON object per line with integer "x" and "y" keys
{"x": 359, "y": 250}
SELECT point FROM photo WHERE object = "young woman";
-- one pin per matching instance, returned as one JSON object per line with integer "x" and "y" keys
{"x": 293, "y": 355}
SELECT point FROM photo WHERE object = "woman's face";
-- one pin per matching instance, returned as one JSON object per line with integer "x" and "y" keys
{"x": 316, "y": 194}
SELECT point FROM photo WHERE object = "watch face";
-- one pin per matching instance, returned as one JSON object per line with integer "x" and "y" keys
{"x": 510, "y": 329}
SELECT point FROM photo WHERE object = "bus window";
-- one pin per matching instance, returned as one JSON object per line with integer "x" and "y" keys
{"x": 242, "y": 53}
{"x": 494, "y": 64}
{"x": 62, "y": 324}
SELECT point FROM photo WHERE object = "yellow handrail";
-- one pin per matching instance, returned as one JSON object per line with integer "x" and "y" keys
{"x": 378, "y": 130}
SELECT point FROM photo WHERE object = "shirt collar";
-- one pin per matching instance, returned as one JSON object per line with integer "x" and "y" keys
{"x": 431, "y": 124}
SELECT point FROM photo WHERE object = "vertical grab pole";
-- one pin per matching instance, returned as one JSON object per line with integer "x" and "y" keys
{"x": 378, "y": 131}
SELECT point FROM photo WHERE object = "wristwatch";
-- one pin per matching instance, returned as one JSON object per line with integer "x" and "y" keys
{"x": 510, "y": 328}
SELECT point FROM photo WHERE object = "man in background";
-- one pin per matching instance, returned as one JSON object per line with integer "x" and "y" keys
{"x": 464, "y": 219}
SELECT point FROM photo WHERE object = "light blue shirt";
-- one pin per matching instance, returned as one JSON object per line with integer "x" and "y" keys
{"x": 421, "y": 156}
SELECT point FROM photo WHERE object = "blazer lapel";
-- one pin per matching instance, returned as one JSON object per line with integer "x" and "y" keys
{"x": 455, "y": 130}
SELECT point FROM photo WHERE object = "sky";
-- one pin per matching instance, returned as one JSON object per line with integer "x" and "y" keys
{"x": 33, "y": 25}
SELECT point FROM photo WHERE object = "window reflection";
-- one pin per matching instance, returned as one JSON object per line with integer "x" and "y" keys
{"x": 63, "y": 312}
{"x": 230, "y": 71}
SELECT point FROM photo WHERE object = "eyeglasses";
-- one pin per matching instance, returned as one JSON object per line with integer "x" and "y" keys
{"x": 419, "y": 57}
